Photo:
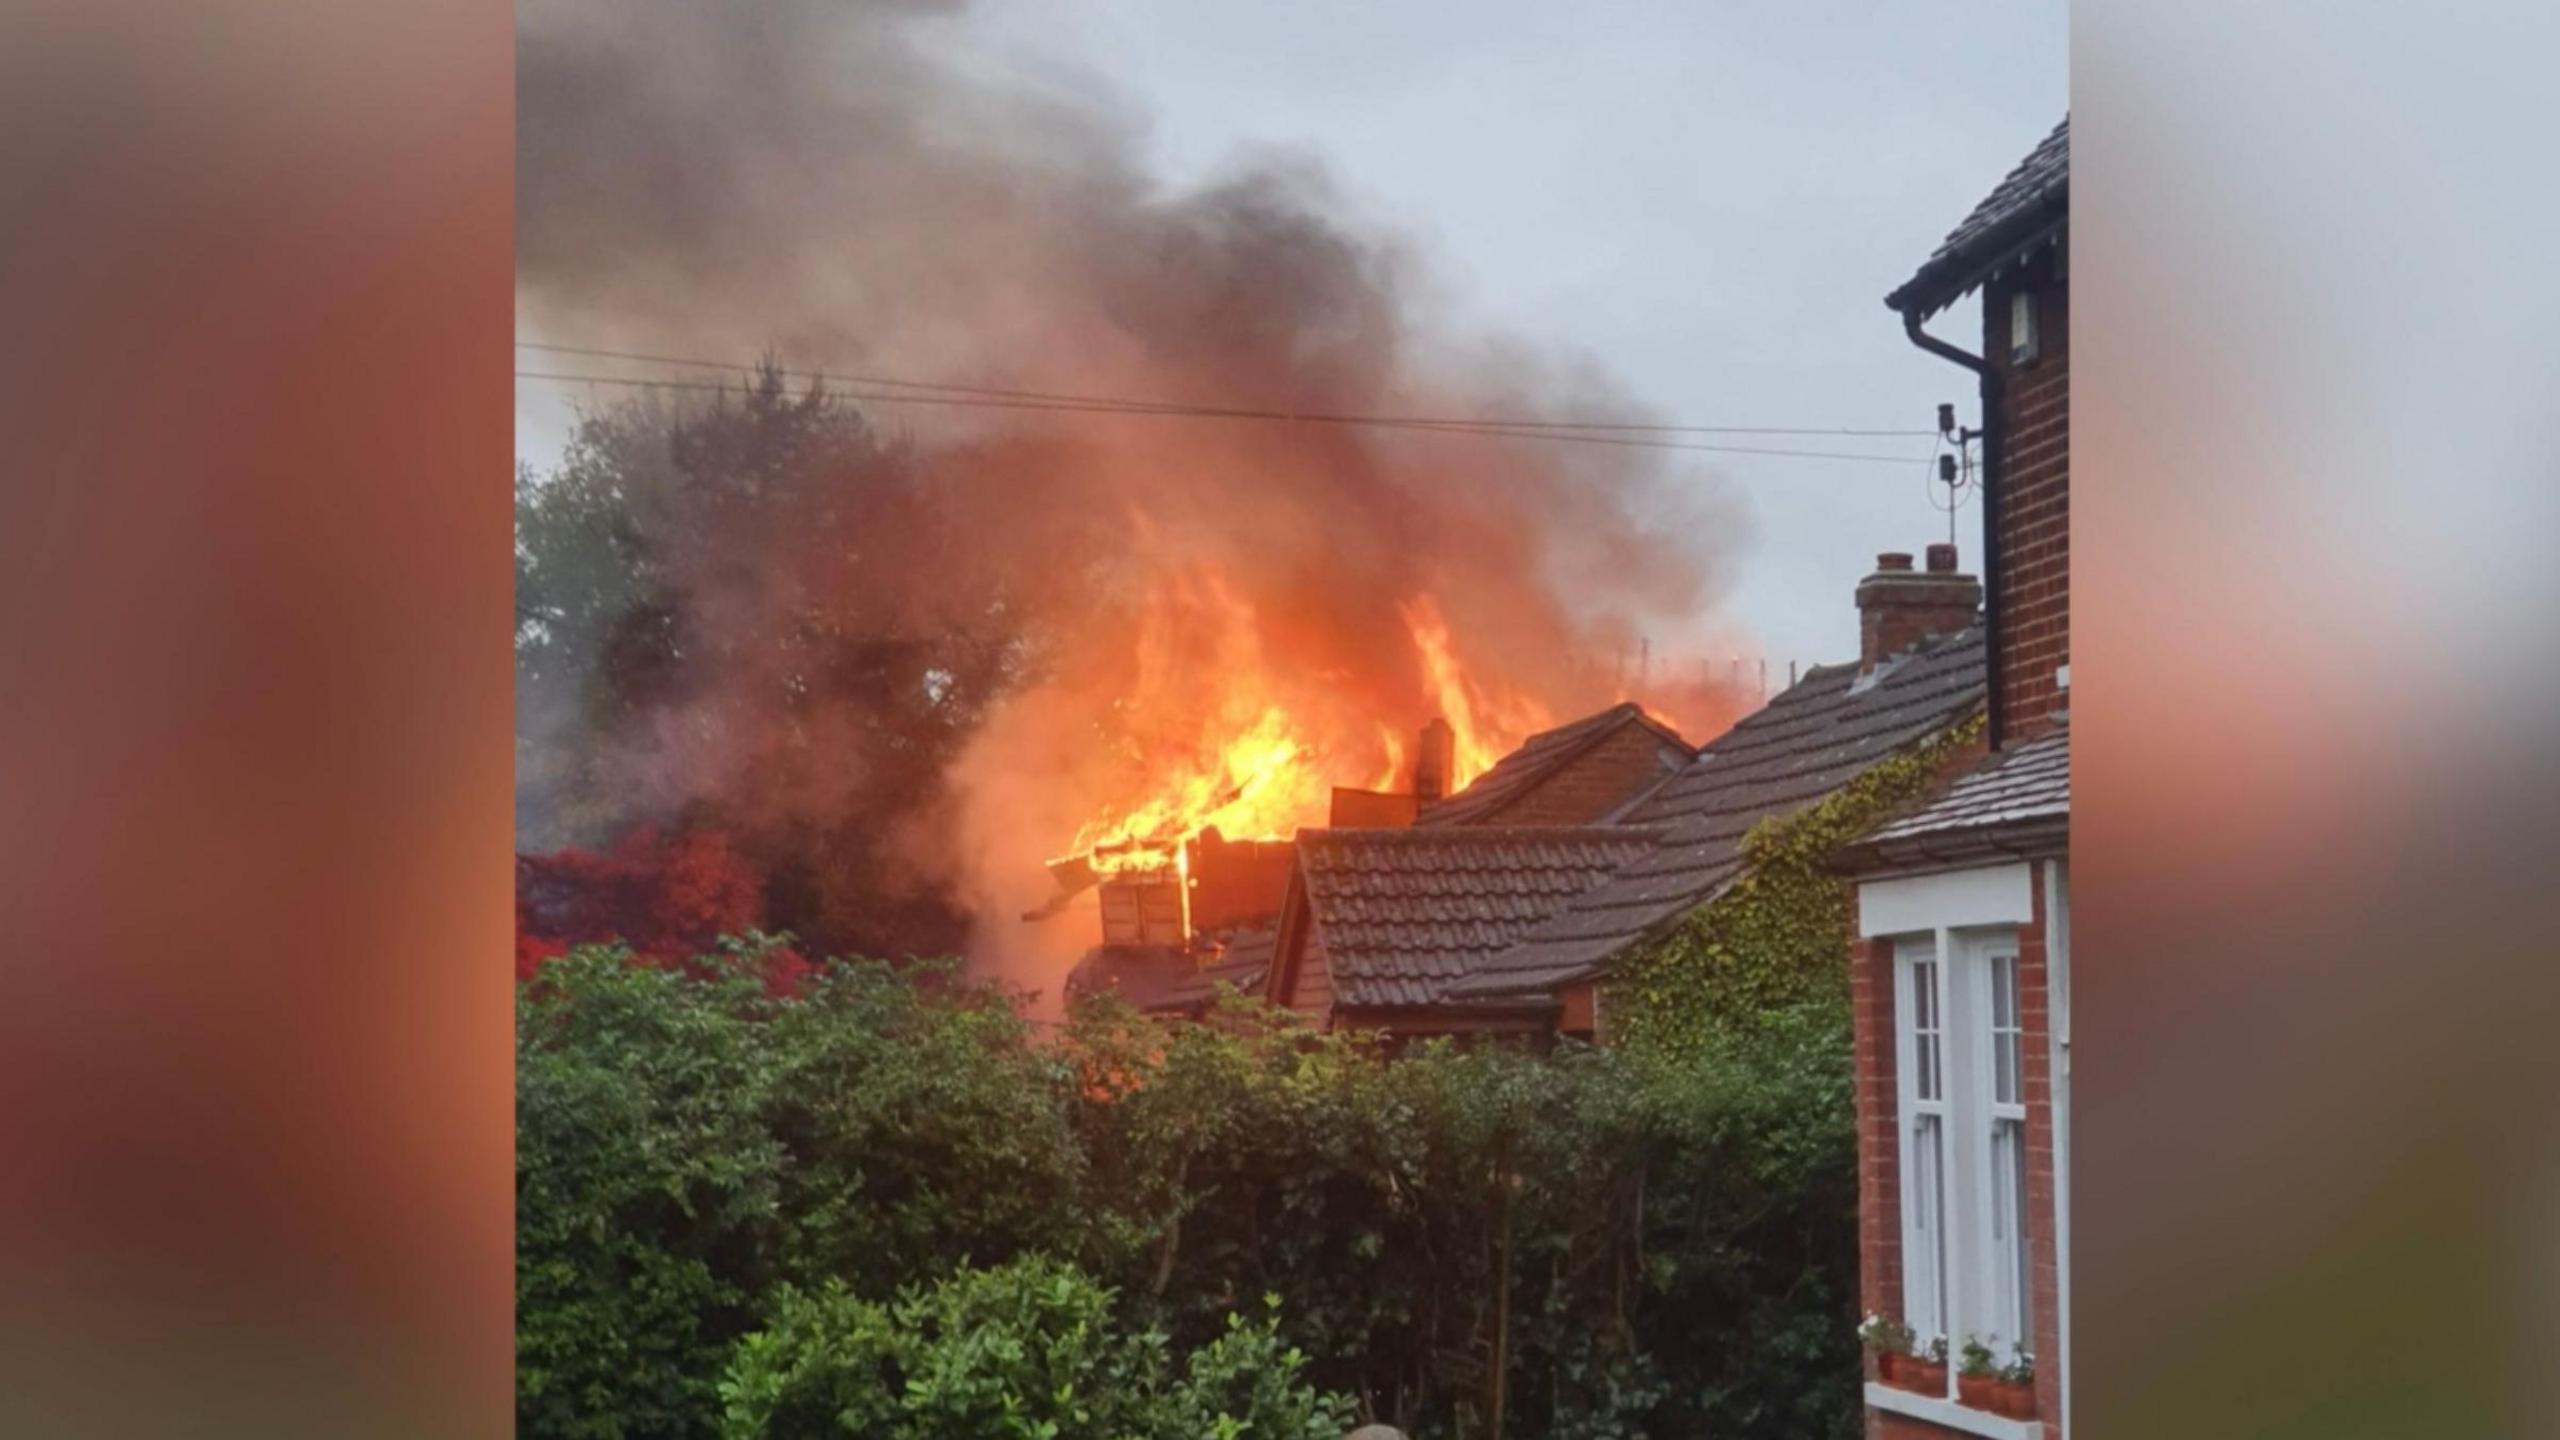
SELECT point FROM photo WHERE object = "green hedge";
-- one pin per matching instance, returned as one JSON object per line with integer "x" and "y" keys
{"x": 713, "y": 1182}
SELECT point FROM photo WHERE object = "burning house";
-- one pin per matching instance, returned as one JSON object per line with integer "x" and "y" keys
{"x": 1162, "y": 924}
{"x": 1176, "y": 920}
{"x": 1508, "y": 909}
{"x": 1503, "y": 906}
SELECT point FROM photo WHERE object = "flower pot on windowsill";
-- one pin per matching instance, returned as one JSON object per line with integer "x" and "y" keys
{"x": 1889, "y": 1365}
{"x": 1921, "y": 1377}
{"x": 2014, "y": 1399}
{"x": 1975, "y": 1392}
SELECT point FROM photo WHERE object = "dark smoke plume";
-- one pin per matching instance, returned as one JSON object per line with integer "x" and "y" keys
{"x": 841, "y": 185}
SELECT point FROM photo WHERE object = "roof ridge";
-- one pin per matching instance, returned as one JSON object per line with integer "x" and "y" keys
{"x": 1776, "y": 760}
{"x": 1538, "y": 757}
{"x": 1476, "y": 834}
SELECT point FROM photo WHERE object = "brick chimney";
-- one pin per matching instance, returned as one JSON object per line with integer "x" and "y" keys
{"x": 1433, "y": 763}
{"x": 1898, "y": 607}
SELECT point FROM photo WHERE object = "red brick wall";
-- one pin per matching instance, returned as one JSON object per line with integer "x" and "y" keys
{"x": 1883, "y": 1425}
{"x": 2036, "y": 1038}
{"x": 1879, "y": 1150}
{"x": 2035, "y": 521}
{"x": 1595, "y": 782}
{"x": 1372, "y": 809}
{"x": 1580, "y": 1015}
{"x": 1879, "y": 1156}
{"x": 1899, "y": 608}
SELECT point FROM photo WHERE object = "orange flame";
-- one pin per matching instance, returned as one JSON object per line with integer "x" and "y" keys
{"x": 1232, "y": 742}
{"x": 1485, "y": 723}
{"x": 1393, "y": 773}
{"x": 1263, "y": 782}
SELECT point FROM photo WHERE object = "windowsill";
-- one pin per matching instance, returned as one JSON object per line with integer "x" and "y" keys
{"x": 1940, "y": 1411}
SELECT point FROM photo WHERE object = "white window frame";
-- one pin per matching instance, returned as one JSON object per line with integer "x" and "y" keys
{"x": 1925, "y": 1198}
{"x": 2057, "y": 979}
{"x": 1980, "y": 1281}
{"x": 2005, "y": 1308}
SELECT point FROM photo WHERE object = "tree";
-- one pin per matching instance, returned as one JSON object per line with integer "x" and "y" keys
{"x": 719, "y": 627}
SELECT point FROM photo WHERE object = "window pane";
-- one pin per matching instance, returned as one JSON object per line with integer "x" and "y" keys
{"x": 1925, "y": 1268}
{"x": 2006, "y": 1083}
{"x": 2026, "y": 1331}
{"x": 2016, "y": 1312}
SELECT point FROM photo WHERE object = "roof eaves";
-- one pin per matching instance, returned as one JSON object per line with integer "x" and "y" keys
{"x": 2029, "y": 206}
{"x": 2028, "y": 838}
{"x": 1946, "y": 279}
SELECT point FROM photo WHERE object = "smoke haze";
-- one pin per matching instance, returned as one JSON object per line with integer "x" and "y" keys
{"x": 837, "y": 184}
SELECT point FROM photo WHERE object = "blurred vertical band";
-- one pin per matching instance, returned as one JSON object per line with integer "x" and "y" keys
{"x": 2317, "y": 330}
{"x": 254, "y": 726}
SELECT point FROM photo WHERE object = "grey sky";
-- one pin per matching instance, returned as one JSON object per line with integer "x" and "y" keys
{"x": 1710, "y": 200}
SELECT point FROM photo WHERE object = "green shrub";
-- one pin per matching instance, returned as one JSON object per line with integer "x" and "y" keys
{"x": 645, "y": 1174}
{"x": 685, "y": 1144}
{"x": 1681, "y": 1227}
{"x": 1026, "y": 1351}
{"x": 699, "y": 1162}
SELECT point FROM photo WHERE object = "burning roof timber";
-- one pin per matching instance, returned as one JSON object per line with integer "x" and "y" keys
{"x": 1216, "y": 901}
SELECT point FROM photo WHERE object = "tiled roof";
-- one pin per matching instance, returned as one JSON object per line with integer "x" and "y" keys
{"x": 1815, "y": 737}
{"x": 1402, "y": 914}
{"x": 2033, "y": 196}
{"x": 1538, "y": 758}
{"x": 2018, "y": 796}
{"x": 1243, "y": 963}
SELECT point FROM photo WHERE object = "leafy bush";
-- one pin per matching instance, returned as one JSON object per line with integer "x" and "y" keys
{"x": 1680, "y": 1229}
{"x": 685, "y": 1141}
{"x": 1028, "y": 1350}
{"x": 644, "y": 1173}
{"x": 1600, "y": 1243}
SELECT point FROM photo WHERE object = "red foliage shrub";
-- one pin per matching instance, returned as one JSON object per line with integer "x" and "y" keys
{"x": 532, "y": 950}
{"x": 668, "y": 897}
{"x": 702, "y": 890}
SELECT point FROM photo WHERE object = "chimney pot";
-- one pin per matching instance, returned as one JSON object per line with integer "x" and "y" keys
{"x": 1894, "y": 560}
{"x": 1942, "y": 559}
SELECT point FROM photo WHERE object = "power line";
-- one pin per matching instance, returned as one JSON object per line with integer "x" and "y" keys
{"x": 1171, "y": 407}
{"x": 1492, "y": 430}
{"x": 1425, "y": 426}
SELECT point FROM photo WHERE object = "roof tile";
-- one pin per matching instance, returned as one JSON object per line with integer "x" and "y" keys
{"x": 1404, "y": 914}
{"x": 1536, "y": 761}
{"x": 2024, "y": 786}
{"x": 2016, "y": 211}
{"x": 1810, "y": 740}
